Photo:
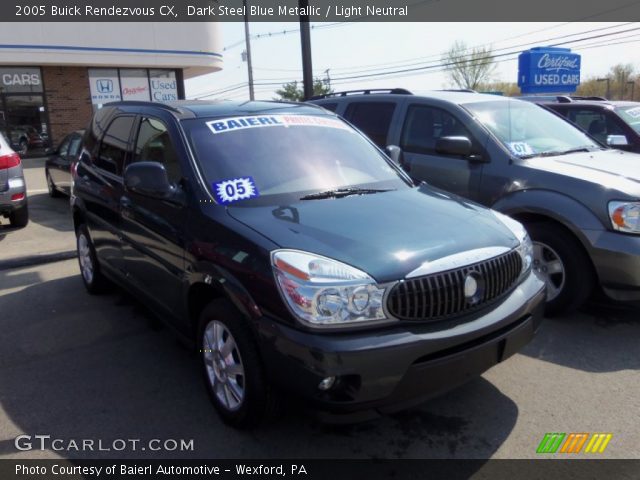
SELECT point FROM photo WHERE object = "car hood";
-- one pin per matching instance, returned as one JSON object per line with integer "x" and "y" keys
{"x": 612, "y": 169}
{"x": 387, "y": 235}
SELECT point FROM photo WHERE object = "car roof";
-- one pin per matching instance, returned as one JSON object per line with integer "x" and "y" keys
{"x": 184, "y": 109}
{"x": 578, "y": 101}
{"x": 452, "y": 96}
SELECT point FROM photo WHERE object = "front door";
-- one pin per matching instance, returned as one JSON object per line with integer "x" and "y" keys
{"x": 422, "y": 128}
{"x": 153, "y": 247}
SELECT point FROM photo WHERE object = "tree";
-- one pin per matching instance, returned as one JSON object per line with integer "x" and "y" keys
{"x": 468, "y": 68}
{"x": 616, "y": 84}
{"x": 294, "y": 93}
{"x": 508, "y": 89}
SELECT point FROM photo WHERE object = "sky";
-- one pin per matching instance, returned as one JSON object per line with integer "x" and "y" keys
{"x": 359, "y": 48}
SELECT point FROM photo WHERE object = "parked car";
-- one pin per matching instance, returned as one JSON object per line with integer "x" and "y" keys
{"x": 579, "y": 201}
{"x": 24, "y": 138}
{"x": 613, "y": 123}
{"x": 13, "y": 190}
{"x": 297, "y": 257}
{"x": 57, "y": 168}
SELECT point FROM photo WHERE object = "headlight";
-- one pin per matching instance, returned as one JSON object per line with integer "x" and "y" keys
{"x": 625, "y": 216}
{"x": 525, "y": 249}
{"x": 324, "y": 292}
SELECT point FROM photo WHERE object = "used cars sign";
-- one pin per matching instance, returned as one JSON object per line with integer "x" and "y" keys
{"x": 548, "y": 70}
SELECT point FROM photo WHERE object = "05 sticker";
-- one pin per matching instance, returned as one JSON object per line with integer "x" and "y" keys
{"x": 229, "y": 191}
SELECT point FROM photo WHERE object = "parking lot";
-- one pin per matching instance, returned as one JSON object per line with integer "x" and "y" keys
{"x": 76, "y": 366}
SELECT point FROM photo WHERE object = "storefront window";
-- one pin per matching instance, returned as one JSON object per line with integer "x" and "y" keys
{"x": 23, "y": 118}
{"x": 113, "y": 84}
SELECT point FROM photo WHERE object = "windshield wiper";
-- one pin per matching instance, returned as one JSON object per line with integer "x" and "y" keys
{"x": 343, "y": 192}
{"x": 555, "y": 153}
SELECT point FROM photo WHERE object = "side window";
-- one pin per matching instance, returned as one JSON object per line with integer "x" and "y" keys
{"x": 373, "y": 118}
{"x": 424, "y": 125}
{"x": 63, "y": 149}
{"x": 329, "y": 106}
{"x": 596, "y": 123}
{"x": 154, "y": 145}
{"x": 114, "y": 146}
{"x": 74, "y": 145}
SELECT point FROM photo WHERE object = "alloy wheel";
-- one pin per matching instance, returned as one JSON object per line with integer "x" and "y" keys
{"x": 550, "y": 268}
{"x": 86, "y": 260}
{"x": 225, "y": 370}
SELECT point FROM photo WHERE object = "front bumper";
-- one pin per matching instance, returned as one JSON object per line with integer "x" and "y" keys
{"x": 6, "y": 204}
{"x": 616, "y": 257}
{"x": 386, "y": 370}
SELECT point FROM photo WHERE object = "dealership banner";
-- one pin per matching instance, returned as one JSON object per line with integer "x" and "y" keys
{"x": 334, "y": 469}
{"x": 317, "y": 10}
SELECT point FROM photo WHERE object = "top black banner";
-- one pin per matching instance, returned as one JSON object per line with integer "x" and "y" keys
{"x": 318, "y": 10}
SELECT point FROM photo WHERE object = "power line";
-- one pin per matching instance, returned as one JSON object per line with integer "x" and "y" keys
{"x": 433, "y": 66}
{"x": 439, "y": 56}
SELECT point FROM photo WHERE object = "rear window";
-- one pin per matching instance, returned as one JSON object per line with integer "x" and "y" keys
{"x": 285, "y": 157}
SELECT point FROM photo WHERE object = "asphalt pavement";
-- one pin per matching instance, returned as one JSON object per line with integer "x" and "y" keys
{"x": 49, "y": 233}
{"x": 76, "y": 367}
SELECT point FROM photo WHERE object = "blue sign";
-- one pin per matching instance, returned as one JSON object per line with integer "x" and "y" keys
{"x": 548, "y": 70}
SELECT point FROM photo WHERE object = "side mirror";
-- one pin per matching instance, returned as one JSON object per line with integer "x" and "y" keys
{"x": 617, "y": 141}
{"x": 454, "y": 146}
{"x": 397, "y": 156}
{"x": 148, "y": 178}
{"x": 394, "y": 153}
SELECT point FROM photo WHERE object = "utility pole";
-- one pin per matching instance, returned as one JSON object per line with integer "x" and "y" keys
{"x": 248, "y": 42}
{"x": 633, "y": 86}
{"x": 608, "y": 80}
{"x": 305, "y": 42}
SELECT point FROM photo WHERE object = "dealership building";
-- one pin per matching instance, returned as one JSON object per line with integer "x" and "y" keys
{"x": 54, "y": 75}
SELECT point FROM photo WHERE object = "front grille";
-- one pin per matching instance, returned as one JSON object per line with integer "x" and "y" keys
{"x": 441, "y": 295}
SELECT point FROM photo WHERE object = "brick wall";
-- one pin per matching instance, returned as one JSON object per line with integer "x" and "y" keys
{"x": 68, "y": 100}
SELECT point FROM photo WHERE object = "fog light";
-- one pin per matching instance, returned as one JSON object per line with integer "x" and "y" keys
{"x": 327, "y": 383}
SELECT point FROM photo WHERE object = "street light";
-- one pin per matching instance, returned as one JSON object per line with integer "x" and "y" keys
{"x": 608, "y": 80}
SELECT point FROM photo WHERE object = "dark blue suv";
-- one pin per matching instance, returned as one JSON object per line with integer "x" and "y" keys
{"x": 296, "y": 257}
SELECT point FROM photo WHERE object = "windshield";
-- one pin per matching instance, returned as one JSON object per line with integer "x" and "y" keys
{"x": 528, "y": 130}
{"x": 271, "y": 159}
{"x": 631, "y": 115}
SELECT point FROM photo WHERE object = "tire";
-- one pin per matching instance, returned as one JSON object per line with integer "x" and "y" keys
{"x": 23, "y": 147}
{"x": 564, "y": 265}
{"x": 94, "y": 281}
{"x": 53, "y": 191}
{"x": 19, "y": 218}
{"x": 232, "y": 369}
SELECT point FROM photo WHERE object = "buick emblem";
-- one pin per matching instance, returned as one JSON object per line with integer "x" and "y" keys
{"x": 470, "y": 286}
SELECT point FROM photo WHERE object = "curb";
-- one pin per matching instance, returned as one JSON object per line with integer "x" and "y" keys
{"x": 36, "y": 259}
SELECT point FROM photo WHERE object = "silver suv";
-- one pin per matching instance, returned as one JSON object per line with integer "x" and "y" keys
{"x": 13, "y": 190}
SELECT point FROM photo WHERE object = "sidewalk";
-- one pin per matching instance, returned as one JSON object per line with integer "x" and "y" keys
{"x": 49, "y": 235}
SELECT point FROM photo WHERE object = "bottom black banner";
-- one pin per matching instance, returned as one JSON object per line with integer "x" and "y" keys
{"x": 332, "y": 469}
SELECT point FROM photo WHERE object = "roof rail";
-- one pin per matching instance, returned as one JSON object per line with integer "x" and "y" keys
{"x": 564, "y": 99}
{"x": 591, "y": 97}
{"x": 368, "y": 91}
{"x": 143, "y": 103}
{"x": 463, "y": 90}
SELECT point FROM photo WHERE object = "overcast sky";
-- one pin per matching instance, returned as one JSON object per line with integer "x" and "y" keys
{"x": 348, "y": 49}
